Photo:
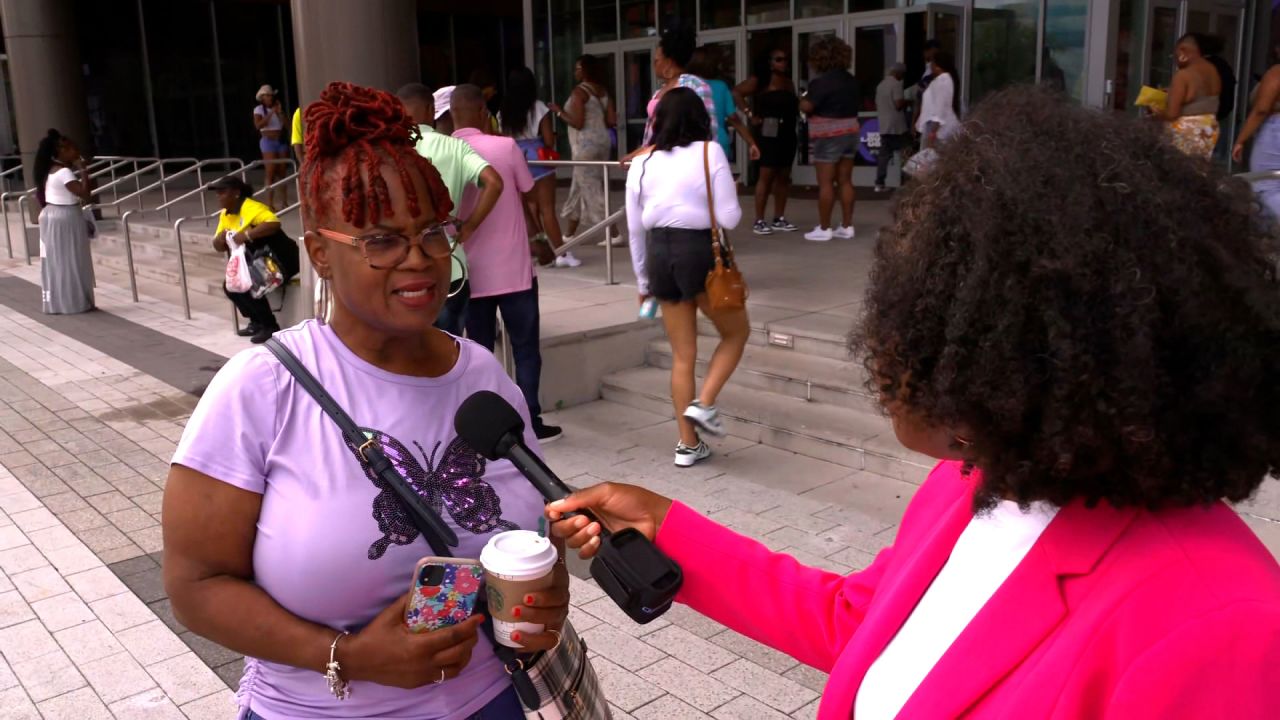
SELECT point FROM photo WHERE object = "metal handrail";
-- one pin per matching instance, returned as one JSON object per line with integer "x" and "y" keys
{"x": 4, "y": 212}
{"x": 610, "y": 219}
{"x": 1252, "y": 177}
{"x": 182, "y": 261}
{"x": 162, "y": 183}
{"x": 198, "y": 169}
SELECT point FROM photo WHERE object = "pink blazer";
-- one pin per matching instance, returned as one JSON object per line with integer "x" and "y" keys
{"x": 1113, "y": 613}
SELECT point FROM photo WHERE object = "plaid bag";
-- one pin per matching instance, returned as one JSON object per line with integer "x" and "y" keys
{"x": 566, "y": 683}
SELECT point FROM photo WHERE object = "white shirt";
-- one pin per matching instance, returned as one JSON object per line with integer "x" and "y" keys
{"x": 935, "y": 106}
{"x": 668, "y": 189}
{"x": 536, "y": 114}
{"x": 988, "y": 551}
{"x": 55, "y": 187}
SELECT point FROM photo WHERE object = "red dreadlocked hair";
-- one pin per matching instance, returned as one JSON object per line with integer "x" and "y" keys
{"x": 357, "y": 127}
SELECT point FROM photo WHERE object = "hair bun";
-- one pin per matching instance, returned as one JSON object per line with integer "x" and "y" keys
{"x": 347, "y": 112}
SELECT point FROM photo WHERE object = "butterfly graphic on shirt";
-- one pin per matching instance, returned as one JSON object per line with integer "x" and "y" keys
{"x": 454, "y": 485}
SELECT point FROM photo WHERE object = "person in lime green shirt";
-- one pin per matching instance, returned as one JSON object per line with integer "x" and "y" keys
{"x": 459, "y": 167}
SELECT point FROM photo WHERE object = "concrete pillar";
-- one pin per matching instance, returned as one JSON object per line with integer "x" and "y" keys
{"x": 44, "y": 67}
{"x": 367, "y": 42}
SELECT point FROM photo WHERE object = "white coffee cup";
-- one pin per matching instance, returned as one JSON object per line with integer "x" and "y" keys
{"x": 516, "y": 563}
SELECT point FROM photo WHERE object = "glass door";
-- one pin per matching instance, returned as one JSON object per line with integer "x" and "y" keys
{"x": 636, "y": 82}
{"x": 804, "y": 35}
{"x": 729, "y": 47}
{"x": 878, "y": 43}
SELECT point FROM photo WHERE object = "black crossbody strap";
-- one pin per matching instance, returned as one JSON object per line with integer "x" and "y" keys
{"x": 434, "y": 530}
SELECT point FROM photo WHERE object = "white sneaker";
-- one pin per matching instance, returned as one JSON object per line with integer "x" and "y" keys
{"x": 844, "y": 232}
{"x": 616, "y": 240}
{"x": 689, "y": 456}
{"x": 707, "y": 418}
{"x": 818, "y": 234}
{"x": 567, "y": 260}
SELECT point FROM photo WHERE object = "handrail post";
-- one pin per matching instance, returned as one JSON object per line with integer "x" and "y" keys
{"x": 200, "y": 185}
{"x": 182, "y": 272}
{"x": 137, "y": 184}
{"x": 608, "y": 240}
{"x": 164, "y": 189}
{"x": 128, "y": 256}
{"x": 115, "y": 191}
{"x": 22, "y": 219}
{"x": 4, "y": 210}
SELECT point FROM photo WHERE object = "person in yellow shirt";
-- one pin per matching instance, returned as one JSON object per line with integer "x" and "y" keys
{"x": 246, "y": 221}
{"x": 297, "y": 138}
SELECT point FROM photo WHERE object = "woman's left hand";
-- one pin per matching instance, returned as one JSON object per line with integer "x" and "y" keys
{"x": 548, "y": 607}
{"x": 555, "y": 108}
{"x": 1237, "y": 152}
{"x": 754, "y": 152}
{"x": 242, "y": 238}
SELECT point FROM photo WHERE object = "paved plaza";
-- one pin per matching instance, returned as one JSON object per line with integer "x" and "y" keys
{"x": 91, "y": 408}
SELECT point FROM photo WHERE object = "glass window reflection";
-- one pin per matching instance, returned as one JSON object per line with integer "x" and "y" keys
{"x": 601, "y": 20}
{"x": 639, "y": 18}
{"x": 1062, "y": 60}
{"x": 720, "y": 14}
{"x": 764, "y": 11}
{"x": 1004, "y": 45}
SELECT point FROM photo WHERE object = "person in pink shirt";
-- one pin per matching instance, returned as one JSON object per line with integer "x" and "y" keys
{"x": 1086, "y": 341}
{"x": 501, "y": 269}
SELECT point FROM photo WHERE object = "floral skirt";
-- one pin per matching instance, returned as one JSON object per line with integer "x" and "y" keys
{"x": 1195, "y": 135}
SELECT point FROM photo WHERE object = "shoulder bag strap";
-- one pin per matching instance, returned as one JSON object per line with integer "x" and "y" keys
{"x": 719, "y": 248}
{"x": 437, "y": 534}
{"x": 434, "y": 530}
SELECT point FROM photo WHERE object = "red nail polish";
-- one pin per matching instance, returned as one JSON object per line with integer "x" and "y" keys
{"x": 515, "y": 637}
{"x": 528, "y": 599}
{"x": 515, "y": 612}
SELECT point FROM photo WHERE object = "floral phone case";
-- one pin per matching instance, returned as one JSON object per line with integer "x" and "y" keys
{"x": 445, "y": 591}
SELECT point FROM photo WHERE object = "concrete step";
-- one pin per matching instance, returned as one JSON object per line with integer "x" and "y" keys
{"x": 786, "y": 372}
{"x": 854, "y": 438}
{"x": 200, "y": 279}
{"x": 820, "y": 334}
{"x": 162, "y": 248}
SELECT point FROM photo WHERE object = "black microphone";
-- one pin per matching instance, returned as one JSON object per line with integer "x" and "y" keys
{"x": 493, "y": 428}
{"x": 639, "y": 577}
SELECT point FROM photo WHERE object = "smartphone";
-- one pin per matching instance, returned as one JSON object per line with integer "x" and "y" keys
{"x": 444, "y": 592}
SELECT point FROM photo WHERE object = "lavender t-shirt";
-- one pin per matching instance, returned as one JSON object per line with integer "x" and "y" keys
{"x": 331, "y": 544}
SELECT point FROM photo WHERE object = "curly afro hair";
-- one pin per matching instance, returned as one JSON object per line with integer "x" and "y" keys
{"x": 830, "y": 53}
{"x": 1098, "y": 312}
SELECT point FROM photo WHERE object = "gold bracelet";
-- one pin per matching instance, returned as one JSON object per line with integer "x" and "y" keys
{"x": 340, "y": 688}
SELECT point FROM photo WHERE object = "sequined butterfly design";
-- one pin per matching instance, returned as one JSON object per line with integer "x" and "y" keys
{"x": 454, "y": 485}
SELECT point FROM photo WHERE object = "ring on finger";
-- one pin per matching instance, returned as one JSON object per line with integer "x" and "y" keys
{"x": 558, "y": 639}
{"x": 441, "y": 677}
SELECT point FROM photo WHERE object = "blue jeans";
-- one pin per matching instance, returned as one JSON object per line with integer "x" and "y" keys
{"x": 1266, "y": 156}
{"x": 504, "y": 707}
{"x": 453, "y": 316}
{"x": 520, "y": 314}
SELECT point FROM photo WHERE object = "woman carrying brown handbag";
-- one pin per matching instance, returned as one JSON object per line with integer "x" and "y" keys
{"x": 672, "y": 193}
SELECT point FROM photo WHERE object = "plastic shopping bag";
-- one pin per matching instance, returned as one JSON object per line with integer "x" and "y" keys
{"x": 919, "y": 163}
{"x": 238, "y": 279}
{"x": 266, "y": 274}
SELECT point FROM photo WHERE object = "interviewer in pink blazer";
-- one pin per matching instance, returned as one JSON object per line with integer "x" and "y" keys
{"x": 1082, "y": 324}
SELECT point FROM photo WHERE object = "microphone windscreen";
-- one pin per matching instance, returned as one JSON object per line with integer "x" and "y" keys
{"x": 484, "y": 420}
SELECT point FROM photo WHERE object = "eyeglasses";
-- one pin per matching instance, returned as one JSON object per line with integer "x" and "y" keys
{"x": 385, "y": 251}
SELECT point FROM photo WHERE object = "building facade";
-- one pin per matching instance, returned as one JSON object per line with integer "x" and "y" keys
{"x": 1099, "y": 51}
{"x": 175, "y": 78}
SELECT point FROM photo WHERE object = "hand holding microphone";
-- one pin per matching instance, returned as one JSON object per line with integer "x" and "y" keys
{"x": 615, "y": 505}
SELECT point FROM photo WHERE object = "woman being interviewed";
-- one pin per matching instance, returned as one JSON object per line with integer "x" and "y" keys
{"x": 280, "y": 542}
{"x": 670, "y": 227}
{"x": 1093, "y": 400}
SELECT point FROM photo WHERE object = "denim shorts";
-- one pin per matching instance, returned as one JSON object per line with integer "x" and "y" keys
{"x": 835, "y": 149}
{"x": 277, "y": 145}
{"x": 678, "y": 261}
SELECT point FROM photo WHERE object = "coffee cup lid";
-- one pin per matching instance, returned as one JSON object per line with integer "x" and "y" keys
{"x": 518, "y": 552}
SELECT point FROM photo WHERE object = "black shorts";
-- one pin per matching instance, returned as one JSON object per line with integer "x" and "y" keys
{"x": 677, "y": 261}
{"x": 777, "y": 152}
